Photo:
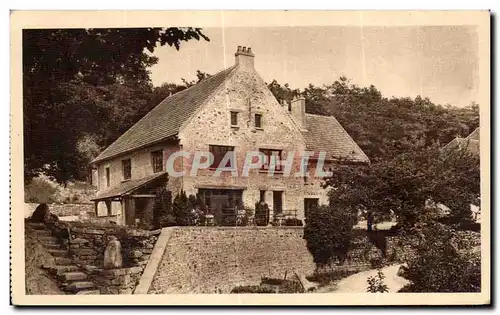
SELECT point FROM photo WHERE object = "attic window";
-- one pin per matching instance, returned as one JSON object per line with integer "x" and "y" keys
{"x": 234, "y": 119}
{"x": 258, "y": 120}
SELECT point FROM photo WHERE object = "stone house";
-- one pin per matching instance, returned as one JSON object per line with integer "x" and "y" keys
{"x": 231, "y": 111}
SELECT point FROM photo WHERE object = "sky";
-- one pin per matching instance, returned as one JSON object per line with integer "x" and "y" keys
{"x": 438, "y": 62}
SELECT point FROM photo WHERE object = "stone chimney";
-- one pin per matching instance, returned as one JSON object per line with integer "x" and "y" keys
{"x": 298, "y": 109}
{"x": 244, "y": 57}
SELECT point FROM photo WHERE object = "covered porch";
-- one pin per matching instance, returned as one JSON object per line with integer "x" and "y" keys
{"x": 130, "y": 202}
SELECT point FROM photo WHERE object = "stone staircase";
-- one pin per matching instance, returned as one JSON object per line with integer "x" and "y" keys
{"x": 71, "y": 278}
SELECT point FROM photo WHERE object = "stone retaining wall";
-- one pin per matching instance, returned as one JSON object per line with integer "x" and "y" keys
{"x": 87, "y": 246}
{"x": 216, "y": 259}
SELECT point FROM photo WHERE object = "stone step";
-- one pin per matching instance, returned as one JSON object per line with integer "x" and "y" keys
{"x": 43, "y": 233}
{"x": 37, "y": 225}
{"x": 58, "y": 252}
{"x": 61, "y": 269}
{"x": 62, "y": 261}
{"x": 48, "y": 240}
{"x": 74, "y": 276}
{"x": 79, "y": 285}
{"x": 52, "y": 246}
{"x": 88, "y": 292}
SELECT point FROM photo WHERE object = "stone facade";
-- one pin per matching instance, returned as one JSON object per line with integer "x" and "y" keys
{"x": 246, "y": 93}
{"x": 243, "y": 92}
{"x": 141, "y": 165}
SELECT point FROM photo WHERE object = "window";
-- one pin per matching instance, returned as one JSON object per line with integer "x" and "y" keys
{"x": 157, "y": 161}
{"x": 234, "y": 119}
{"x": 258, "y": 121}
{"x": 107, "y": 176}
{"x": 269, "y": 155}
{"x": 127, "y": 169}
{"x": 219, "y": 152}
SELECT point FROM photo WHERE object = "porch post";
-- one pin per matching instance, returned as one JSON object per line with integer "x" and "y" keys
{"x": 270, "y": 203}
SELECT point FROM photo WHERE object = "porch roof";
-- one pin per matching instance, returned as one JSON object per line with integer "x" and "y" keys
{"x": 128, "y": 187}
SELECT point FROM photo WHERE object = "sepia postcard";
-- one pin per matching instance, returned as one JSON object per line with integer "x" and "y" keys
{"x": 250, "y": 158}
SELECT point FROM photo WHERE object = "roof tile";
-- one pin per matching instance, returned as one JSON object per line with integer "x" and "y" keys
{"x": 166, "y": 118}
{"x": 324, "y": 133}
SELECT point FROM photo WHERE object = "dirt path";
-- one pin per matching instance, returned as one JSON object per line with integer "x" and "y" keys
{"x": 356, "y": 283}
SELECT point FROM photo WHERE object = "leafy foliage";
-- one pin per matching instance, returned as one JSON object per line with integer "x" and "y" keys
{"x": 162, "y": 211}
{"x": 89, "y": 84}
{"x": 328, "y": 232}
{"x": 40, "y": 191}
{"x": 182, "y": 208}
{"x": 406, "y": 183}
{"x": 365, "y": 114}
{"x": 442, "y": 263}
{"x": 376, "y": 284}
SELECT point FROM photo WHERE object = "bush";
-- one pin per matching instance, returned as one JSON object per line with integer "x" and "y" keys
{"x": 328, "y": 232}
{"x": 261, "y": 214}
{"x": 293, "y": 222}
{"x": 441, "y": 264}
{"x": 40, "y": 191}
{"x": 182, "y": 209}
{"x": 162, "y": 213}
{"x": 376, "y": 284}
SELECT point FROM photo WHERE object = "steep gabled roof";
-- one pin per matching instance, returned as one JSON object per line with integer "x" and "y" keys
{"x": 166, "y": 118}
{"x": 324, "y": 133}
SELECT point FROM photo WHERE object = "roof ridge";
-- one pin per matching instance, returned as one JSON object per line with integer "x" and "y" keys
{"x": 317, "y": 115}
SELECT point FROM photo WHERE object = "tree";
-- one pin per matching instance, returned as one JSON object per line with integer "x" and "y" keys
{"x": 328, "y": 232}
{"x": 77, "y": 79}
{"x": 444, "y": 262}
{"x": 200, "y": 76}
{"x": 365, "y": 114}
{"x": 406, "y": 184}
{"x": 282, "y": 93}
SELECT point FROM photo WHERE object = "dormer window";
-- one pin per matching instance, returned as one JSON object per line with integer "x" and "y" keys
{"x": 258, "y": 120}
{"x": 234, "y": 119}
